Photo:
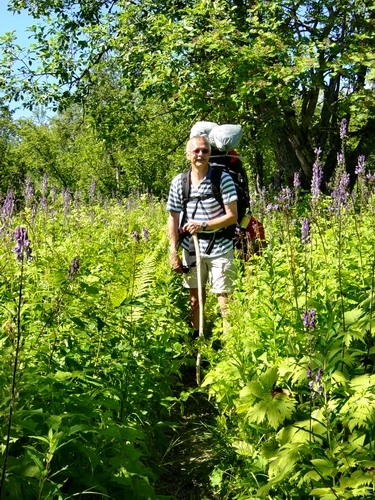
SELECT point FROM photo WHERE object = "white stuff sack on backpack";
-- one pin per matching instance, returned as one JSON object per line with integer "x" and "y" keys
{"x": 225, "y": 137}
{"x": 202, "y": 128}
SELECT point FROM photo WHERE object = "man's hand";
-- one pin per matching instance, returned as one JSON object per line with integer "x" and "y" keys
{"x": 176, "y": 263}
{"x": 192, "y": 227}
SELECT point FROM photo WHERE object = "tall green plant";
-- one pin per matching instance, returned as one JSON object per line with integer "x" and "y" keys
{"x": 91, "y": 333}
{"x": 294, "y": 380}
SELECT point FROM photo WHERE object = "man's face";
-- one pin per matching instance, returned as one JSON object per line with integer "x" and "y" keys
{"x": 198, "y": 154}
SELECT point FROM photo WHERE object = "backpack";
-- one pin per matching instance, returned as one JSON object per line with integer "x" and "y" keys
{"x": 226, "y": 159}
{"x": 252, "y": 240}
{"x": 249, "y": 241}
{"x": 224, "y": 139}
{"x": 230, "y": 162}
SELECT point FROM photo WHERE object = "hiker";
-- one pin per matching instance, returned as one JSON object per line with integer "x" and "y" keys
{"x": 207, "y": 217}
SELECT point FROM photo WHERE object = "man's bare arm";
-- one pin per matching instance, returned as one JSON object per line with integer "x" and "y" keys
{"x": 229, "y": 218}
{"x": 173, "y": 222}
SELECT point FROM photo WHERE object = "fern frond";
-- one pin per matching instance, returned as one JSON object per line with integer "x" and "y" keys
{"x": 138, "y": 283}
{"x": 144, "y": 276}
{"x": 359, "y": 409}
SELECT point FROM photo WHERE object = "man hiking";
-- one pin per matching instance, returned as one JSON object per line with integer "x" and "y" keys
{"x": 202, "y": 214}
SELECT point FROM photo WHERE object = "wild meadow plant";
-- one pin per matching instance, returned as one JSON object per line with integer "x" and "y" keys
{"x": 99, "y": 331}
{"x": 23, "y": 252}
{"x": 89, "y": 342}
{"x": 295, "y": 380}
{"x": 7, "y": 212}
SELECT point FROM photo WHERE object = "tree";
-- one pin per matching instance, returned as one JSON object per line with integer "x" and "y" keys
{"x": 288, "y": 71}
{"x": 9, "y": 169}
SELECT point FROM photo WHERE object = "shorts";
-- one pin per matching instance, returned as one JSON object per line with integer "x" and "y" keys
{"x": 219, "y": 272}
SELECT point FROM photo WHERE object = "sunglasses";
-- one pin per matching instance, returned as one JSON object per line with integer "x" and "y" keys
{"x": 196, "y": 152}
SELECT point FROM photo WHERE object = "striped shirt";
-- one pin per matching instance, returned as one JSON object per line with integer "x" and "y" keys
{"x": 205, "y": 209}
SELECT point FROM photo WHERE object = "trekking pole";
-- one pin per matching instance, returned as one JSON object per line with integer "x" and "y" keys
{"x": 201, "y": 306}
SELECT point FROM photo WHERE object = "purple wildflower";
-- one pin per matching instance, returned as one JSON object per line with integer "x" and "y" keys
{"x": 145, "y": 233}
{"x": 285, "y": 198}
{"x": 309, "y": 319}
{"x": 315, "y": 384}
{"x": 252, "y": 202}
{"x": 22, "y": 244}
{"x": 8, "y": 207}
{"x": 44, "y": 184}
{"x": 305, "y": 319}
{"x": 43, "y": 203}
{"x": 319, "y": 374}
{"x": 135, "y": 235}
{"x": 53, "y": 194}
{"x": 305, "y": 228}
{"x": 360, "y": 168}
{"x": 296, "y": 181}
{"x": 343, "y": 128}
{"x": 262, "y": 197}
{"x": 74, "y": 268}
{"x": 340, "y": 159}
{"x": 340, "y": 193}
{"x": 92, "y": 190}
{"x": 272, "y": 207}
{"x": 66, "y": 198}
{"x": 312, "y": 319}
{"x": 29, "y": 191}
{"x": 34, "y": 211}
{"x": 317, "y": 176}
{"x": 76, "y": 199}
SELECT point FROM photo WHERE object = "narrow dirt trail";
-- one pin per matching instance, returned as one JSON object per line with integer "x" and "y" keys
{"x": 192, "y": 456}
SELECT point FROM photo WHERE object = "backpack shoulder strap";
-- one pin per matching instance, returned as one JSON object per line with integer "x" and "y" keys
{"x": 215, "y": 178}
{"x": 215, "y": 184}
{"x": 186, "y": 182}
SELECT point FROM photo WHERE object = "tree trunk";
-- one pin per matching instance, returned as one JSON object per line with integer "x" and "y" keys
{"x": 287, "y": 159}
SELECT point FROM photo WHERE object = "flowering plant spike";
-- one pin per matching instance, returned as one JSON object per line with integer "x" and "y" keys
{"x": 23, "y": 244}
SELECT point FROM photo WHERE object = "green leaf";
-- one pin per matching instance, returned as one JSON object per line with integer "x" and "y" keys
{"x": 352, "y": 317}
{"x": 243, "y": 448}
{"x": 274, "y": 409}
{"x": 216, "y": 477}
{"x": 325, "y": 467}
{"x": 33, "y": 454}
{"x": 117, "y": 297}
{"x": 62, "y": 376}
{"x": 100, "y": 324}
{"x": 325, "y": 493}
{"x": 79, "y": 428}
{"x": 78, "y": 322}
{"x": 54, "y": 422}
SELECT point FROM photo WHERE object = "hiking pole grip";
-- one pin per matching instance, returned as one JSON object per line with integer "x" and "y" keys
{"x": 201, "y": 306}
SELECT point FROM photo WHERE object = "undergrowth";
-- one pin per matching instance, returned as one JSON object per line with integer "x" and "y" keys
{"x": 98, "y": 379}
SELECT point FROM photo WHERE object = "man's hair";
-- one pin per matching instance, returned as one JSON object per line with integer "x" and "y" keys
{"x": 202, "y": 138}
